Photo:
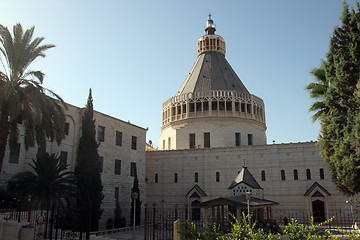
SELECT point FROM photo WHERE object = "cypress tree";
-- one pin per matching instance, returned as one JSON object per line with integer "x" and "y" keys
{"x": 87, "y": 171}
{"x": 135, "y": 189}
{"x": 340, "y": 126}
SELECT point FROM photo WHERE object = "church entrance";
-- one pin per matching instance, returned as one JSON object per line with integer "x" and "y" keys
{"x": 318, "y": 207}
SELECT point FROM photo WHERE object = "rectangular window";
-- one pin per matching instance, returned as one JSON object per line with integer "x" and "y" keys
{"x": 156, "y": 178}
{"x": 118, "y": 140}
{"x": 206, "y": 140}
{"x": 250, "y": 139}
{"x": 117, "y": 169}
{"x": 63, "y": 157}
{"x": 237, "y": 139}
{"x": 14, "y": 154}
{"x": 133, "y": 142}
{"x": 133, "y": 169}
{"x": 164, "y": 144}
{"x": 66, "y": 128}
{"x": 101, "y": 134}
{"x": 101, "y": 163}
{"x": 192, "y": 140}
{"x": 169, "y": 143}
{"x": 176, "y": 177}
{"x": 116, "y": 192}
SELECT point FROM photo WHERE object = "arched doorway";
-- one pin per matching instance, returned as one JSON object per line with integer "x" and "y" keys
{"x": 195, "y": 210}
{"x": 318, "y": 207}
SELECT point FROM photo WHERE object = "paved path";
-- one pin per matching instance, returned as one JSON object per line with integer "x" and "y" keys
{"x": 139, "y": 235}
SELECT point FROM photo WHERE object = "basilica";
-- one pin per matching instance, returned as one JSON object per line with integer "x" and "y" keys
{"x": 212, "y": 146}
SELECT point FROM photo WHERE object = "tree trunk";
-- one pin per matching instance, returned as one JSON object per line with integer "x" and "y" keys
{"x": 4, "y": 134}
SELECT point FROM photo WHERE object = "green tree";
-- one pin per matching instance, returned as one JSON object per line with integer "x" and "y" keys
{"x": 340, "y": 127}
{"x": 22, "y": 96}
{"x": 317, "y": 92}
{"x": 87, "y": 172}
{"x": 135, "y": 189}
{"x": 117, "y": 214}
{"x": 48, "y": 184}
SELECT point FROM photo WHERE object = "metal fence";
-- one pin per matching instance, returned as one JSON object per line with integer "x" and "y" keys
{"x": 159, "y": 222}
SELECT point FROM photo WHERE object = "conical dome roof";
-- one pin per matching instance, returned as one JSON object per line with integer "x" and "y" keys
{"x": 211, "y": 70}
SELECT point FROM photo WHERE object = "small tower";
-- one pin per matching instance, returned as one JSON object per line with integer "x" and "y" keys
{"x": 212, "y": 108}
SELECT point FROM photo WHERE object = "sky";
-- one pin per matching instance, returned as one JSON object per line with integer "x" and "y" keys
{"x": 135, "y": 54}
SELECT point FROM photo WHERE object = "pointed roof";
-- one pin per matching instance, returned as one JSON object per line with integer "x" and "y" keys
{"x": 316, "y": 186}
{"x": 211, "y": 70}
{"x": 197, "y": 190}
{"x": 239, "y": 201}
{"x": 245, "y": 177}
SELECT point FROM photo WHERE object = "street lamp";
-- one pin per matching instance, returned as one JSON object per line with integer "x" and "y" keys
{"x": 248, "y": 197}
{"x": 352, "y": 211}
{"x": 134, "y": 196}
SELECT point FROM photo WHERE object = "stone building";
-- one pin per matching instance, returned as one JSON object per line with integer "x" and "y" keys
{"x": 212, "y": 127}
{"x": 122, "y": 156}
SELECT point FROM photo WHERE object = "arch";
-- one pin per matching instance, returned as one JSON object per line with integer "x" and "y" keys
{"x": 217, "y": 176}
{"x": 195, "y": 210}
{"x": 318, "y": 209}
{"x": 283, "y": 175}
{"x": 296, "y": 176}
{"x": 196, "y": 175}
{"x": 263, "y": 177}
{"x": 321, "y": 171}
{"x": 308, "y": 174}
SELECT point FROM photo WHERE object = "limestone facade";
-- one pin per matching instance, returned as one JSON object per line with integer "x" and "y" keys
{"x": 265, "y": 162}
{"x": 121, "y": 142}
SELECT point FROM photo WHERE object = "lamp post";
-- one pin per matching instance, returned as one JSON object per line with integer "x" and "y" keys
{"x": 248, "y": 197}
{"x": 352, "y": 211}
{"x": 134, "y": 196}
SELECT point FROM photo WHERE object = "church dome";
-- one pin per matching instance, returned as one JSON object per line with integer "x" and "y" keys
{"x": 212, "y": 108}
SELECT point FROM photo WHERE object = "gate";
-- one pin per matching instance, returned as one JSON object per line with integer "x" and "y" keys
{"x": 159, "y": 223}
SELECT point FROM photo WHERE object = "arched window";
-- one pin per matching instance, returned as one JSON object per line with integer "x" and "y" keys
{"x": 308, "y": 174}
{"x": 321, "y": 173}
{"x": 176, "y": 177}
{"x": 283, "y": 175}
{"x": 263, "y": 178}
{"x": 217, "y": 176}
{"x": 196, "y": 177}
{"x": 296, "y": 177}
{"x": 156, "y": 178}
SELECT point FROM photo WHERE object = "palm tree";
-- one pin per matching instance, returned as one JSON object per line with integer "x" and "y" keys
{"x": 48, "y": 184}
{"x": 317, "y": 92}
{"x": 22, "y": 97}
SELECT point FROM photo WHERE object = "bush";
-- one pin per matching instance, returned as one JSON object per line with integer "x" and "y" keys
{"x": 189, "y": 231}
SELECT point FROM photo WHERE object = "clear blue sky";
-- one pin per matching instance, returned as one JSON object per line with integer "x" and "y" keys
{"x": 136, "y": 54}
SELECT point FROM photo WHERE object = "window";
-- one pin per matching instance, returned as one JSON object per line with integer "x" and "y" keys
{"x": 133, "y": 142}
{"x": 14, "y": 153}
{"x": 176, "y": 177}
{"x": 283, "y": 175}
{"x": 207, "y": 140}
{"x": 169, "y": 143}
{"x": 237, "y": 139}
{"x": 156, "y": 178}
{"x": 263, "y": 175}
{"x": 116, "y": 192}
{"x": 66, "y": 128}
{"x": 101, "y": 134}
{"x": 63, "y": 158}
{"x": 217, "y": 177}
{"x": 308, "y": 174}
{"x": 133, "y": 169}
{"x": 196, "y": 177}
{"x": 250, "y": 139}
{"x": 296, "y": 174}
{"x": 192, "y": 140}
{"x": 101, "y": 163}
{"x": 118, "y": 140}
{"x": 117, "y": 169}
{"x": 321, "y": 173}
{"x": 164, "y": 144}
